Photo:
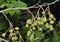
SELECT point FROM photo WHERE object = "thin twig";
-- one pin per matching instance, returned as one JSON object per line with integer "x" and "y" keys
{"x": 38, "y": 13}
{"x": 27, "y": 8}
{"x": 3, "y": 40}
{"x": 30, "y": 12}
{"x": 7, "y": 19}
{"x": 21, "y": 37}
{"x": 16, "y": 8}
{"x": 45, "y": 4}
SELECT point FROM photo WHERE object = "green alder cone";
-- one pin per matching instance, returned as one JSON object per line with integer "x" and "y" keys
{"x": 11, "y": 30}
{"x": 28, "y": 33}
{"x": 17, "y": 28}
{"x": 33, "y": 28}
{"x": 51, "y": 16}
{"x": 32, "y": 37}
{"x": 47, "y": 25}
{"x": 14, "y": 38}
{"x": 29, "y": 21}
{"x": 40, "y": 22}
{"x": 51, "y": 28}
{"x": 40, "y": 29}
{"x": 12, "y": 34}
{"x": 35, "y": 23}
{"x": 3, "y": 34}
{"x": 44, "y": 19}
{"x": 26, "y": 25}
{"x": 51, "y": 22}
{"x": 38, "y": 18}
{"x": 43, "y": 12}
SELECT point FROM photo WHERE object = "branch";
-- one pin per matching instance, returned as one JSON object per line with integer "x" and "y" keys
{"x": 2, "y": 11}
{"x": 3, "y": 40}
{"x": 34, "y": 6}
{"x": 7, "y": 19}
{"x": 17, "y": 8}
{"x": 45, "y": 4}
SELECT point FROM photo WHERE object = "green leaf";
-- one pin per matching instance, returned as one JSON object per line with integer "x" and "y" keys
{"x": 3, "y": 23}
{"x": 3, "y": 26}
{"x": 12, "y": 3}
{"x": 39, "y": 34}
{"x": 18, "y": 4}
{"x": 1, "y": 1}
{"x": 46, "y": 40}
{"x": 36, "y": 41}
{"x": 55, "y": 37}
{"x": 13, "y": 12}
{"x": 9, "y": 5}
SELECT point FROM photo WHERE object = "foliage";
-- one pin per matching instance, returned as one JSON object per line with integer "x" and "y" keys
{"x": 25, "y": 24}
{"x": 3, "y": 23}
{"x": 56, "y": 37}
